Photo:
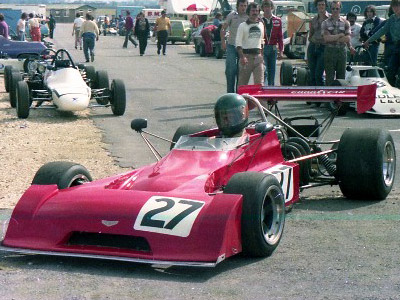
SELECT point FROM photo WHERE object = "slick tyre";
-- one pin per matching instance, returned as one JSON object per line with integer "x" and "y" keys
{"x": 14, "y": 79}
{"x": 102, "y": 83}
{"x": 286, "y": 74}
{"x": 302, "y": 78}
{"x": 202, "y": 50}
{"x": 219, "y": 53}
{"x": 196, "y": 48}
{"x": 62, "y": 173}
{"x": 118, "y": 97}
{"x": 7, "y": 74}
{"x": 366, "y": 163}
{"x": 186, "y": 130}
{"x": 23, "y": 100}
{"x": 91, "y": 76}
{"x": 263, "y": 211}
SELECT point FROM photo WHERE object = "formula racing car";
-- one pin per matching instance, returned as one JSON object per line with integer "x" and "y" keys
{"x": 387, "y": 97}
{"x": 210, "y": 197}
{"x": 67, "y": 86}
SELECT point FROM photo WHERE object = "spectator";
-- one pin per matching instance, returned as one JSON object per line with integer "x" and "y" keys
{"x": 34, "y": 28}
{"x": 21, "y": 27}
{"x": 316, "y": 47}
{"x": 354, "y": 34}
{"x": 142, "y": 31}
{"x": 3, "y": 27}
{"x": 207, "y": 35}
{"x": 336, "y": 33}
{"x": 249, "y": 44}
{"x": 106, "y": 25}
{"x": 232, "y": 22}
{"x": 129, "y": 30}
{"x": 217, "y": 19}
{"x": 52, "y": 26}
{"x": 392, "y": 26}
{"x": 195, "y": 21}
{"x": 387, "y": 53}
{"x": 163, "y": 28}
{"x": 76, "y": 29}
{"x": 90, "y": 34}
{"x": 273, "y": 37}
{"x": 368, "y": 28}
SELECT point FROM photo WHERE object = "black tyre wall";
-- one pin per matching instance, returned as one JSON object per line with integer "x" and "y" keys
{"x": 360, "y": 163}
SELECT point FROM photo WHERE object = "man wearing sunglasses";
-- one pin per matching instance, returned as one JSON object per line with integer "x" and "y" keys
{"x": 336, "y": 34}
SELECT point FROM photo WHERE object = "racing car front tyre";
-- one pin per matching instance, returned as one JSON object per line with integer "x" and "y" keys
{"x": 102, "y": 83}
{"x": 91, "y": 75}
{"x": 302, "y": 77}
{"x": 7, "y": 75}
{"x": 202, "y": 51}
{"x": 186, "y": 130}
{"x": 286, "y": 74}
{"x": 14, "y": 79}
{"x": 219, "y": 53}
{"x": 64, "y": 174}
{"x": 23, "y": 100}
{"x": 263, "y": 211}
{"x": 366, "y": 163}
{"x": 118, "y": 97}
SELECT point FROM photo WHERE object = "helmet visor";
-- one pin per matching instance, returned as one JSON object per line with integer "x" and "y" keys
{"x": 232, "y": 117}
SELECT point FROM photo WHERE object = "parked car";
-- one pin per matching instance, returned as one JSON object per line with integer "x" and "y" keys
{"x": 18, "y": 49}
{"x": 181, "y": 31}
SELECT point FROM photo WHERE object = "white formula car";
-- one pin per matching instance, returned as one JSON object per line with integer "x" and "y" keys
{"x": 387, "y": 102}
{"x": 66, "y": 86}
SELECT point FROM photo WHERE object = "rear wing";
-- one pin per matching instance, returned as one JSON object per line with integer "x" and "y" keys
{"x": 364, "y": 95}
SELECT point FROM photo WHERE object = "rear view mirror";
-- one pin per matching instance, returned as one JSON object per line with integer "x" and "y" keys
{"x": 139, "y": 124}
{"x": 264, "y": 127}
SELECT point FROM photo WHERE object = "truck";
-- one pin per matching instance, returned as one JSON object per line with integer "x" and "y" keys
{"x": 134, "y": 10}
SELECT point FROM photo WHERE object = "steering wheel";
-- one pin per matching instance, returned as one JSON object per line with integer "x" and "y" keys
{"x": 59, "y": 55}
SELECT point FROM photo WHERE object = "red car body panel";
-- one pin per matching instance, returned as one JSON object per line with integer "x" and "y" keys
{"x": 53, "y": 220}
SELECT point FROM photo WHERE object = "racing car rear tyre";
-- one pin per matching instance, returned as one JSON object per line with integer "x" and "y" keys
{"x": 102, "y": 83}
{"x": 286, "y": 74}
{"x": 7, "y": 74}
{"x": 14, "y": 79}
{"x": 118, "y": 97}
{"x": 91, "y": 75}
{"x": 64, "y": 174}
{"x": 263, "y": 211}
{"x": 366, "y": 163}
{"x": 302, "y": 78}
{"x": 202, "y": 50}
{"x": 196, "y": 48}
{"x": 186, "y": 130}
{"x": 23, "y": 100}
{"x": 218, "y": 51}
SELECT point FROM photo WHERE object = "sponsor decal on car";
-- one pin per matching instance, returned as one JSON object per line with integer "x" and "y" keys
{"x": 284, "y": 174}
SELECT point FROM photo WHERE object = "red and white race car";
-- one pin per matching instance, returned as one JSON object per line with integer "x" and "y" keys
{"x": 210, "y": 197}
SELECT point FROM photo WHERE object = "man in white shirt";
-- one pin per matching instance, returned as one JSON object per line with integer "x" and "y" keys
{"x": 355, "y": 29}
{"x": 21, "y": 27}
{"x": 76, "y": 29}
{"x": 249, "y": 45}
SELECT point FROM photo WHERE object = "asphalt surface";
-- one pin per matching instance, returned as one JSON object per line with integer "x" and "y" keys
{"x": 332, "y": 248}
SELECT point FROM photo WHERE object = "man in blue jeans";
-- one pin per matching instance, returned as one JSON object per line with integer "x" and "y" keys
{"x": 315, "y": 51}
{"x": 233, "y": 20}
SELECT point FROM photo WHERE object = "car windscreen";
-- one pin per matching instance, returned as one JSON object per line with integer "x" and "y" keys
{"x": 207, "y": 143}
{"x": 372, "y": 73}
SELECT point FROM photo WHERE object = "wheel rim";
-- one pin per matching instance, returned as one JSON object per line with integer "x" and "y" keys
{"x": 78, "y": 180}
{"x": 272, "y": 215}
{"x": 389, "y": 161}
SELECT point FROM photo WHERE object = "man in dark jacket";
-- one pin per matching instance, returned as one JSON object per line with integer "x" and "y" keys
{"x": 142, "y": 30}
{"x": 129, "y": 30}
{"x": 52, "y": 26}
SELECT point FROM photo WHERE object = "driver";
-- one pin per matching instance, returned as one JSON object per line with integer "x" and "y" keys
{"x": 231, "y": 114}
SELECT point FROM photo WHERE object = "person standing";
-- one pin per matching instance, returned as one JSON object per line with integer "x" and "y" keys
{"x": 90, "y": 34}
{"x": 195, "y": 21}
{"x": 217, "y": 19}
{"x": 163, "y": 28}
{"x": 129, "y": 30}
{"x": 249, "y": 43}
{"x": 52, "y": 26}
{"x": 207, "y": 35}
{"x": 232, "y": 22}
{"x": 3, "y": 27}
{"x": 21, "y": 27}
{"x": 336, "y": 33}
{"x": 354, "y": 33}
{"x": 34, "y": 28}
{"x": 316, "y": 47}
{"x": 273, "y": 41}
{"x": 142, "y": 30}
{"x": 368, "y": 28}
{"x": 391, "y": 26}
{"x": 76, "y": 30}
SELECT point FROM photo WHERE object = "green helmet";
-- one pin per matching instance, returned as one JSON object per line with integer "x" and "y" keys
{"x": 231, "y": 113}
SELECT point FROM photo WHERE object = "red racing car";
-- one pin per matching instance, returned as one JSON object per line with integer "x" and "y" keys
{"x": 210, "y": 197}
